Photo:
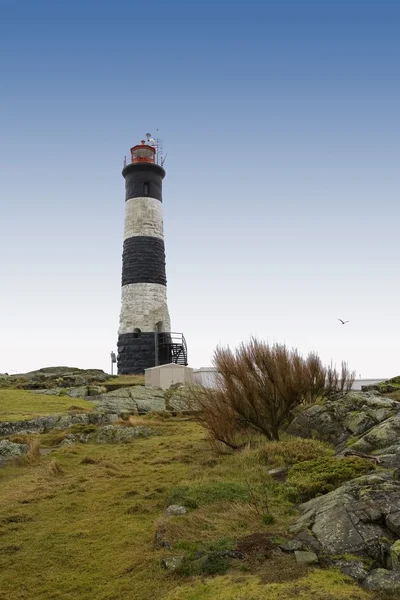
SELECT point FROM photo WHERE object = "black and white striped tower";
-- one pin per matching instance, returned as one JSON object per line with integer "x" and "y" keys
{"x": 144, "y": 311}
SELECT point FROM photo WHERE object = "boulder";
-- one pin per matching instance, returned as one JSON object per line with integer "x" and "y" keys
{"x": 177, "y": 398}
{"x": 380, "y": 437}
{"x": 383, "y": 580}
{"x": 115, "y": 434}
{"x": 305, "y": 558}
{"x": 361, "y": 518}
{"x": 11, "y": 450}
{"x": 291, "y": 545}
{"x": 175, "y": 509}
{"x": 353, "y": 568}
{"x": 361, "y": 420}
{"x": 137, "y": 399}
{"x": 395, "y": 556}
{"x": 172, "y": 563}
{"x": 43, "y": 424}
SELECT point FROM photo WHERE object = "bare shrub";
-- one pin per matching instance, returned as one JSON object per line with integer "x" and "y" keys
{"x": 32, "y": 456}
{"x": 34, "y": 447}
{"x": 258, "y": 387}
{"x": 54, "y": 469}
{"x": 215, "y": 413}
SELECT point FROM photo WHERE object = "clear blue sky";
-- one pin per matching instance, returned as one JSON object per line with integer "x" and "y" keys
{"x": 281, "y": 201}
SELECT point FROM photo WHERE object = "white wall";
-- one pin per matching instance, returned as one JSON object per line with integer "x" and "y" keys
{"x": 208, "y": 376}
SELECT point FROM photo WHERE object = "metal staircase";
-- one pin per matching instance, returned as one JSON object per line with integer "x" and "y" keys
{"x": 172, "y": 348}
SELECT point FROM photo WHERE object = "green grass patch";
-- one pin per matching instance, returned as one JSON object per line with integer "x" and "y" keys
{"x": 318, "y": 585}
{"x": 322, "y": 475}
{"x": 191, "y": 548}
{"x": 291, "y": 450}
{"x": 207, "y": 493}
{"x": 19, "y": 405}
{"x": 81, "y": 523}
{"x": 122, "y": 381}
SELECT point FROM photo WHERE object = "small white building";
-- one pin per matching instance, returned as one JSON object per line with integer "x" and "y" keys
{"x": 164, "y": 376}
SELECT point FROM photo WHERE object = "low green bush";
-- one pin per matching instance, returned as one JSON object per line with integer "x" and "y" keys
{"x": 211, "y": 564}
{"x": 322, "y": 475}
{"x": 293, "y": 450}
{"x": 191, "y": 548}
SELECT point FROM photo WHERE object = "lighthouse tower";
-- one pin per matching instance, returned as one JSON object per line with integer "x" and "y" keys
{"x": 144, "y": 336}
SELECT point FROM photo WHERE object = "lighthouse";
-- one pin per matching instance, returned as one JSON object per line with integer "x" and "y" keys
{"x": 145, "y": 339}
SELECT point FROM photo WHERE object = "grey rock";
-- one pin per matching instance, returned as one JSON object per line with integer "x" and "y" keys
{"x": 175, "y": 509}
{"x": 172, "y": 563}
{"x": 374, "y": 420}
{"x": 308, "y": 541}
{"x": 137, "y": 399}
{"x": 306, "y": 558}
{"x": 11, "y": 450}
{"x": 43, "y": 424}
{"x": 361, "y": 517}
{"x": 381, "y": 436}
{"x": 177, "y": 398}
{"x": 358, "y": 423}
{"x": 279, "y": 473}
{"x": 390, "y": 461}
{"x": 291, "y": 545}
{"x": 383, "y": 580}
{"x": 336, "y": 533}
{"x": 115, "y": 434}
{"x": 74, "y": 438}
{"x": 353, "y": 568}
{"x": 381, "y": 414}
{"x": 393, "y": 522}
{"x": 395, "y": 556}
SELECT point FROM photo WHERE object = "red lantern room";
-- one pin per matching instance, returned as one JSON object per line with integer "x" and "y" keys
{"x": 142, "y": 153}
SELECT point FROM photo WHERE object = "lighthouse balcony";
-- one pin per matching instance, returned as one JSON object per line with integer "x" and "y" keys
{"x": 172, "y": 348}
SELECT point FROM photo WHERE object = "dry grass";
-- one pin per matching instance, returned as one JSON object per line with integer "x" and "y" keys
{"x": 54, "y": 468}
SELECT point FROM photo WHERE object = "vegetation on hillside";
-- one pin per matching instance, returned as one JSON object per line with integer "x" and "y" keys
{"x": 259, "y": 386}
{"x": 18, "y": 405}
{"x": 89, "y": 521}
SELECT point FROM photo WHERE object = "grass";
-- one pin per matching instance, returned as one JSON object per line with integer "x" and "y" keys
{"x": 291, "y": 450}
{"x": 81, "y": 523}
{"x": 322, "y": 475}
{"x": 121, "y": 381}
{"x": 18, "y": 405}
{"x": 319, "y": 585}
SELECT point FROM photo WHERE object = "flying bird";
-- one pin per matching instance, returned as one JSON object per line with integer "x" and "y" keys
{"x": 343, "y": 322}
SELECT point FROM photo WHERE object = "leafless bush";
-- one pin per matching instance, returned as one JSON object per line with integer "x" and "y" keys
{"x": 259, "y": 385}
{"x": 54, "y": 469}
{"x": 214, "y": 411}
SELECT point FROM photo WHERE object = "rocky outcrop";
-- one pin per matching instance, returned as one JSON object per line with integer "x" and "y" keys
{"x": 177, "y": 398}
{"x": 114, "y": 434}
{"x": 131, "y": 400}
{"x": 11, "y": 450}
{"x": 43, "y": 424}
{"x": 359, "y": 519}
{"x": 55, "y": 377}
{"x": 82, "y": 391}
{"x": 384, "y": 387}
{"x": 350, "y": 419}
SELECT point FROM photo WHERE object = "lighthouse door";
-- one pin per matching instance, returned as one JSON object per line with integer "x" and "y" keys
{"x": 158, "y": 342}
